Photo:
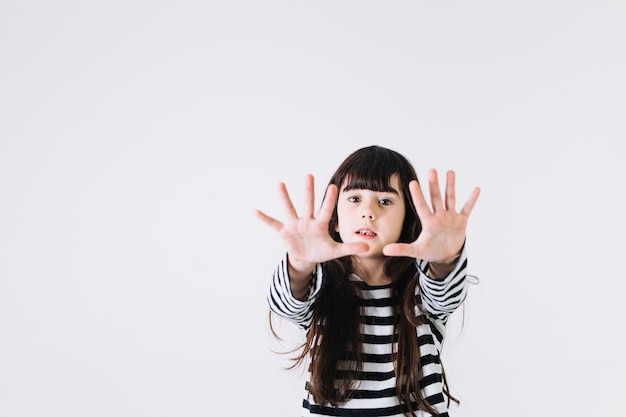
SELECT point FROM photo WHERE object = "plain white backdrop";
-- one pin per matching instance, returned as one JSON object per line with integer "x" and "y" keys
{"x": 137, "y": 138}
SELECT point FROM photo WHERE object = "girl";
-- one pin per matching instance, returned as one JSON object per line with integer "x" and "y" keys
{"x": 372, "y": 281}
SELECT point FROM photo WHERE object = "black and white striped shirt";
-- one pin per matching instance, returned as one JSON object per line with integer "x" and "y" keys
{"x": 375, "y": 394}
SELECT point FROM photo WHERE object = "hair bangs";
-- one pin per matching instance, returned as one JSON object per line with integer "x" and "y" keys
{"x": 372, "y": 183}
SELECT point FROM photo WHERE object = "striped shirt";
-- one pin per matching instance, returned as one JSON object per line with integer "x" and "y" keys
{"x": 375, "y": 394}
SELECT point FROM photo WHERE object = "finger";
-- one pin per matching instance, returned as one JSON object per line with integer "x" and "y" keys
{"x": 328, "y": 205}
{"x": 346, "y": 249}
{"x": 450, "y": 191}
{"x": 418, "y": 200}
{"x": 309, "y": 197}
{"x": 268, "y": 220}
{"x": 435, "y": 192}
{"x": 286, "y": 201}
{"x": 471, "y": 201}
{"x": 399, "y": 249}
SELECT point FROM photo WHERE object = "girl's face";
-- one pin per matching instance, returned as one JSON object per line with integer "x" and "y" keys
{"x": 374, "y": 217}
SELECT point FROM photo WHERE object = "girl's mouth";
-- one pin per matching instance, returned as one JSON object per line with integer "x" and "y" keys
{"x": 365, "y": 232}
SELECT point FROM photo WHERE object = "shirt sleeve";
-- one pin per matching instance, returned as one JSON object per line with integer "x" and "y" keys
{"x": 282, "y": 301}
{"x": 441, "y": 297}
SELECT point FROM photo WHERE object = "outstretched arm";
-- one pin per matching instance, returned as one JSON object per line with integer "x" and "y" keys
{"x": 443, "y": 228}
{"x": 306, "y": 237}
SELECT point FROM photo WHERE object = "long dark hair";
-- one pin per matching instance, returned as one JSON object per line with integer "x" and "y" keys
{"x": 335, "y": 331}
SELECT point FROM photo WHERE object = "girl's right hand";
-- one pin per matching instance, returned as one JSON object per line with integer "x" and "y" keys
{"x": 305, "y": 237}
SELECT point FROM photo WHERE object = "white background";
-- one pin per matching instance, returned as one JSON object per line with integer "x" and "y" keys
{"x": 137, "y": 138}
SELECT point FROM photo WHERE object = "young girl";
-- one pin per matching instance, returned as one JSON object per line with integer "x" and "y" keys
{"x": 372, "y": 281}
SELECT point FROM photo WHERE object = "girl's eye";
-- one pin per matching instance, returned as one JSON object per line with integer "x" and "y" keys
{"x": 353, "y": 199}
{"x": 385, "y": 202}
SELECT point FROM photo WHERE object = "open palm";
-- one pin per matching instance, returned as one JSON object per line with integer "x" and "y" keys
{"x": 443, "y": 228}
{"x": 306, "y": 237}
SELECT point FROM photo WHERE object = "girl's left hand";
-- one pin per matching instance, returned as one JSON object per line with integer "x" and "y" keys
{"x": 443, "y": 228}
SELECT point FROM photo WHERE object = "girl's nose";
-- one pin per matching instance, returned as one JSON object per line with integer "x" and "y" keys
{"x": 368, "y": 209}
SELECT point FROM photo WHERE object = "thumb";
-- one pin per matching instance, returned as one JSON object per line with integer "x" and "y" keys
{"x": 345, "y": 249}
{"x": 399, "y": 249}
